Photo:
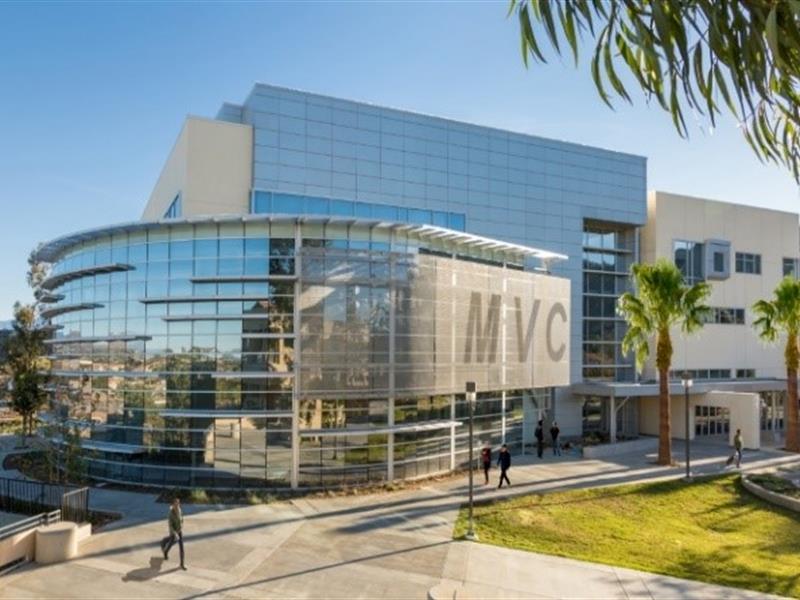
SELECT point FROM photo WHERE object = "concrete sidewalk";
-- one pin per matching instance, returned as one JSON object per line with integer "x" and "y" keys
{"x": 390, "y": 545}
{"x": 483, "y": 571}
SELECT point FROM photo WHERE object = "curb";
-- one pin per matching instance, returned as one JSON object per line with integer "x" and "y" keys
{"x": 786, "y": 502}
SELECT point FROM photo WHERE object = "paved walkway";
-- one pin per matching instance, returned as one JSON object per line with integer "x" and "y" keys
{"x": 394, "y": 545}
{"x": 482, "y": 571}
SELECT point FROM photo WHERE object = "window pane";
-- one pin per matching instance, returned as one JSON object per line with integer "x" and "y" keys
{"x": 421, "y": 217}
{"x": 316, "y": 206}
{"x": 182, "y": 249}
{"x": 256, "y": 247}
{"x": 281, "y": 247}
{"x": 229, "y": 248}
{"x": 287, "y": 203}
{"x": 363, "y": 210}
{"x": 457, "y": 222}
{"x": 342, "y": 208}
{"x": 380, "y": 211}
{"x": 262, "y": 202}
{"x": 207, "y": 248}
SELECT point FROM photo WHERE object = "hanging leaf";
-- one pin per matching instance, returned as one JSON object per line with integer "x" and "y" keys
{"x": 703, "y": 55}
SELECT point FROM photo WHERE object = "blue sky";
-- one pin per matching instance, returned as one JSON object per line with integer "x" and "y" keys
{"x": 92, "y": 97}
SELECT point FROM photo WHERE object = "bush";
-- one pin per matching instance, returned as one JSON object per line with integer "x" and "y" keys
{"x": 776, "y": 484}
{"x": 198, "y": 496}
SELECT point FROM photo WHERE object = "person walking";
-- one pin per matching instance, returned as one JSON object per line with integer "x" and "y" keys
{"x": 486, "y": 461}
{"x": 737, "y": 447}
{"x": 554, "y": 433}
{"x": 175, "y": 523}
{"x": 539, "y": 433}
{"x": 504, "y": 460}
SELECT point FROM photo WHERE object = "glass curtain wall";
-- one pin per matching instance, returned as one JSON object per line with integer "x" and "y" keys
{"x": 184, "y": 353}
{"x": 608, "y": 252}
{"x": 182, "y": 373}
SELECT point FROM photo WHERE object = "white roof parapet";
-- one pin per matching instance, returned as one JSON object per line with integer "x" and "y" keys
{"x": 50, "y": 251}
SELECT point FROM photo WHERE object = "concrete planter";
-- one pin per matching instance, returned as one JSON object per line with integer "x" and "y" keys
{"x": 56, "y": 543}
{"x": 771, "y": 497}
{"x": 640, "y": 446}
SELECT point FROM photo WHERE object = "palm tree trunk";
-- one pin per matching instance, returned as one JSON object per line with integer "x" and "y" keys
{"x": 664, "y": 419}
{"x": 792, "y": 441}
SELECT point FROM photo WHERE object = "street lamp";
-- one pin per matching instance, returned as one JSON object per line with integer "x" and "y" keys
{"x": 687, "y": 383}
{"x": 471, "y": 535}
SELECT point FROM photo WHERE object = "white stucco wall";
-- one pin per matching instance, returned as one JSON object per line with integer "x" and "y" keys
{"x": 745, "y": 414}
{"x": 772, "y": 234}
{"x": 211, "y": 167}
{"x": 648, "y": 415}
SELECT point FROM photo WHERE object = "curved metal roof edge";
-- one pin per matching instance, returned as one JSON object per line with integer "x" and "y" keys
{"x": 49, "y": 251}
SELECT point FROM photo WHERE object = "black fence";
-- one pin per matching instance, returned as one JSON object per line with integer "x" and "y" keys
{"x": 32, "y": 498}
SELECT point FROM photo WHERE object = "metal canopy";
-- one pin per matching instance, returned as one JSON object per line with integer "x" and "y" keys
{"x": 637, "y": 390}
{"x": 251, "y": 374}
{"x": 56, "y": 280}
{"x": 50, "y": 251}
{"x": 54, "y": 311}
{"x": 411, "y": 427}
{"x": 104, "y": 338}
{"x": 224, "y": 414}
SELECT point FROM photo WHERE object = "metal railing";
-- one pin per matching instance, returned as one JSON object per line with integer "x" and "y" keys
{"x": 30, "y": 523}
{"x": 75, "y": 505}
{"x": 17, "y": 554}
{"x": 34, "y": 497}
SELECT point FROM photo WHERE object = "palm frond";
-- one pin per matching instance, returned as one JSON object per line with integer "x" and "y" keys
{"x": 660, "y": 301}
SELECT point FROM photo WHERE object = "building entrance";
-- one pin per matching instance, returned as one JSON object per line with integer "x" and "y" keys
{"x": 711, "y": 420}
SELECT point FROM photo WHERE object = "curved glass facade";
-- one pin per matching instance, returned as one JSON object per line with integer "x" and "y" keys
{"x": 283, "y": 352}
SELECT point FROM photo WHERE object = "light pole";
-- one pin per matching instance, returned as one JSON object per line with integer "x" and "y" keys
{"x": 471, "y": 535}
{"x": 687, "y": 383}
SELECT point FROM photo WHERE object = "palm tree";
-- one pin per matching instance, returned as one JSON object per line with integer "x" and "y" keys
{"x": 661, "y": 300}
{"x": 781, "y": 315}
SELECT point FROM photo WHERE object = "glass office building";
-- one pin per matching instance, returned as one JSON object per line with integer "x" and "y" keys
{"x": 275, "y": 350}
{"x": 275, "y": 317}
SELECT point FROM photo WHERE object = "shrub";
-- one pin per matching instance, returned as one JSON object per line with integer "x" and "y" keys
{"x": 776, "y": 484}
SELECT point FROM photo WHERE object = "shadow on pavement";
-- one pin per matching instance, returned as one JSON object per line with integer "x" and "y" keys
{"x": 147, "y": 572}
{"x": 384, "y": 513}
{"x": 231, "y": 588}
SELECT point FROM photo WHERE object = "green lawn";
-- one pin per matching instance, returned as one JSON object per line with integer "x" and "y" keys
{"x": 711, "y": 530}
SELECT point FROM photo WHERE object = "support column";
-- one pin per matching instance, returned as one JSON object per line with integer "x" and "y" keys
{"x": 503, "y": 353}
{"x": 773, "y": 400}
{"x": 296, "y": 366}
{"x": 392, "y": 331}
{"x": 503, "y": 407}
{"x": 452, "y": 433}
{"x": 453, "y": 321}
{"x": 612, "y": 424}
